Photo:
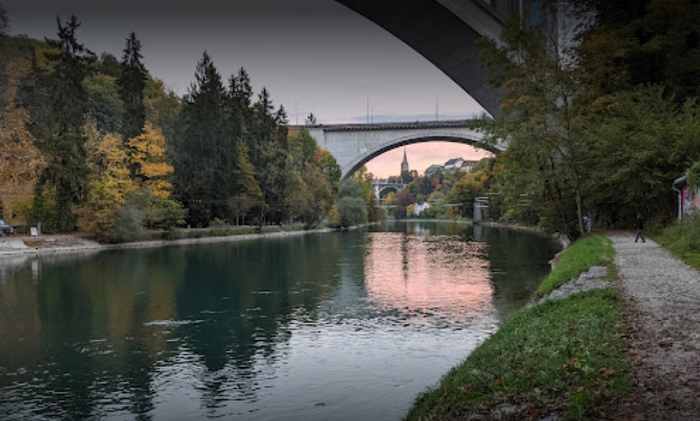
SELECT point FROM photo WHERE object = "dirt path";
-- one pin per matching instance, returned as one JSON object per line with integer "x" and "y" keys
{"x": 662, "y": 310}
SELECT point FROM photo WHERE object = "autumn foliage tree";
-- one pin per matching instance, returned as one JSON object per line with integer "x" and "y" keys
{"x": 147, "y": 157}
{"x": 21, "y": 162}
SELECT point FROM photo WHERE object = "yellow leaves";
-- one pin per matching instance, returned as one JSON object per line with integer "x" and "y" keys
{"x": 147, "y": 154}
{"x": 43, "y": 62}
{"x": 20, "y": 160}
{"x": 107, "y": 157}
{"x": 525, "y": 99}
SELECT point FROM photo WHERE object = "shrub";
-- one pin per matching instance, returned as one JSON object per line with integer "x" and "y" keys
{"x": 159, "y": 212}
{"x": 217, "y": 223}
{"x": 353, "y": 211}
{"x": 128, "y": 224}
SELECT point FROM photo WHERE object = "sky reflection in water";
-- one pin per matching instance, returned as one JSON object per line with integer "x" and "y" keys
{"x": 343, "y": 326}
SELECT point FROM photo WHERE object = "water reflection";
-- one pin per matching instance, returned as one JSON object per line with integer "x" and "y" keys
{"x": 429, "y": 279}
{"x": 259, "y": 330}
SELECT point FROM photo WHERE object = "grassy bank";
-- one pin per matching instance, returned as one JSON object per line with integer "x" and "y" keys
{"x": 562, "y": 356}
{"x": 682, "y": 240}
{"x": 593, "y": 250}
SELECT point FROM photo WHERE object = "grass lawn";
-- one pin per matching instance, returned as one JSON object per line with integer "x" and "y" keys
{"x": 562, "y": 356}
{"x": 682, "y": 240}
{"x": 592, "y": 250}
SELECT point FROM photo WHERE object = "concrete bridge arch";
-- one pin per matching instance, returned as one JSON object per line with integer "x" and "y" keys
{"x": 379, "y": 190}
{"x": 354, "y": 145}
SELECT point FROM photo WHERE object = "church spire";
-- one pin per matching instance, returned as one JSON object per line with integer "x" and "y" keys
{"x": 404, "y": 164}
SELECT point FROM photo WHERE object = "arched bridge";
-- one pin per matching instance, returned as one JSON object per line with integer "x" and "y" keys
{"x": 353, "y": 145}
{"x": 379, "y": 187}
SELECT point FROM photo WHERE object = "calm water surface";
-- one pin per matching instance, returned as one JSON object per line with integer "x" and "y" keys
{"x": 342, "y": 326}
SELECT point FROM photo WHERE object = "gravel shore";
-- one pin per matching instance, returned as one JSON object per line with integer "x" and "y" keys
{"x": 13, "y": 246}
{"x": 662, "y": 311}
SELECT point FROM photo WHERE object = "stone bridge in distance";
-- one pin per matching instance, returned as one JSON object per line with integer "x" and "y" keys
{"x": 353, "y": 145}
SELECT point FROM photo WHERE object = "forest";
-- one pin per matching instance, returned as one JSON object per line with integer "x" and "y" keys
{"x": 96, "y": 144}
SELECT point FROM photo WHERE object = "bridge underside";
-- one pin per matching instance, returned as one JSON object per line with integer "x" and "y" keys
{"x": 446, "y": 40}
{"x": 350, "y": 168}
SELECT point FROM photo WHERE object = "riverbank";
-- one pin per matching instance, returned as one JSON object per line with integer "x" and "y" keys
{"x": 52, "y": 244}
{"x": 559, "y": 359}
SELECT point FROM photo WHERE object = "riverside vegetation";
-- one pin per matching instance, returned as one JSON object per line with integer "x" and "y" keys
{"x": 561, "y": 356}
{"x": 98, "y": 145}
{"x": 682, "y": 239}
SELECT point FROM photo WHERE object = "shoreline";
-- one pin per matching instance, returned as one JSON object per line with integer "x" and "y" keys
{"x": 71, "y": 243}
{"x": 74, "y": 243}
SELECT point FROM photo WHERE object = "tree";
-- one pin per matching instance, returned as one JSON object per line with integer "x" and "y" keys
{"x": 105, "y": 107}
{"x": 148, "y": 161}
{"x": 163, "y": 109}
{"x": 540, "y": 119}
{"x": 158, "y": 211}
{"x": 62, "y": 140}
{"x": 109, "y": 181}
{"x": 132, "y": 83}
{"x": 107, "y": 156}
{"x": 352, "y": 207}
{"x": 644, "y": 140}
{"x": 110, "y": 66}
{"x": 202, "y": 153}
{"x": 635, "y": 43}
{"x": 248, "y": 192}
{"x": 270, "y": 155}
{"x": 365, "y": 178}
{"x": 21, "y": 162}
{"x": 98, "y": 213}
{"x": 310, "y": 120}
{"x": 404, "y": 198}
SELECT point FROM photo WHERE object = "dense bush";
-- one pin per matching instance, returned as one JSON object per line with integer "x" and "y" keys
{"x": 159, "y": 212}
{"x": 128, "y": 225}
{"x": 353, "y": 211}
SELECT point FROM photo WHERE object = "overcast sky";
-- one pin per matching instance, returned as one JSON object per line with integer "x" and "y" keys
{"x": 312, "y": 55}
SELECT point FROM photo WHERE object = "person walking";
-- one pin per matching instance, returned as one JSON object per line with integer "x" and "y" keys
{"x": 639, "y": 225}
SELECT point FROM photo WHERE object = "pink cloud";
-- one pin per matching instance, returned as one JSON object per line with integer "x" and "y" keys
{"x": 421, "y": 156}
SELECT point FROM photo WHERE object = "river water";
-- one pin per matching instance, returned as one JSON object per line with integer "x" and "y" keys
{"x": 341, "y": 326}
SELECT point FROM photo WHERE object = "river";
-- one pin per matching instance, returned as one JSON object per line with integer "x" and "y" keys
{"x": 342, "y": 326}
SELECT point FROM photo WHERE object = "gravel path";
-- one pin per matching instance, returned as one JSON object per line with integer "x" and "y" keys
{"x": 662, "y": 311}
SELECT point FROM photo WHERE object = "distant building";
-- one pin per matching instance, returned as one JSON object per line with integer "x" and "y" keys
{"x": 404, "y": 163}
{"x": 419, "y": 208}
{"x": 433, "y": 169}
{"x": 454, "y": 164}
{"x": 468, "y": 165}
{"x": 688, "y": 197}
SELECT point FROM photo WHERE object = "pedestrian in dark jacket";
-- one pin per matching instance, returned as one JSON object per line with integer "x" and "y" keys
{"x": 639, "y": 225}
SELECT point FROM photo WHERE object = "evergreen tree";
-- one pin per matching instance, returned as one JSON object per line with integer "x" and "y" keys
{"x": 132, "y": 82}
{"x": 311, "y": 120}
{"x": 241, "y": 94}
{"x": 248, "y": 193}
{"x": 202, "y": 155}
{"x": 63, "y": 140}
